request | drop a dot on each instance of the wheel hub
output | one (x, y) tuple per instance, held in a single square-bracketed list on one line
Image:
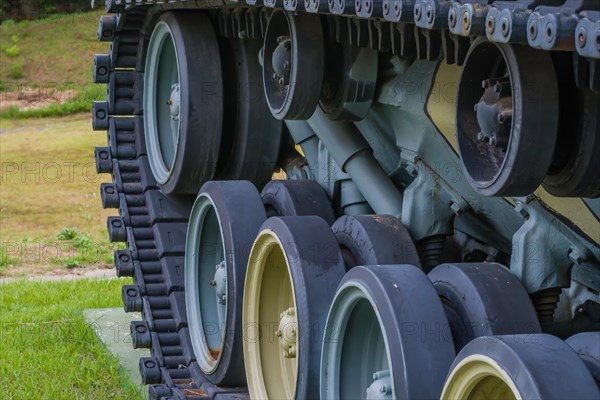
[(220, 283), (288, 332), (174, 102), (381, 388), (494, 112), (282, 60)]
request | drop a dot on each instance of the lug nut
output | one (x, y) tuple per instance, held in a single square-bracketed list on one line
[(491, 25)]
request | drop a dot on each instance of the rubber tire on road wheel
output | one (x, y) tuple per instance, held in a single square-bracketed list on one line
[(401, 304), (296, 198), (483, 299), (579, 176), (587, 345), (201, 107), (295, 263), (374, 240), (530, 366), (236, 212), (521, 168), (251, 135)]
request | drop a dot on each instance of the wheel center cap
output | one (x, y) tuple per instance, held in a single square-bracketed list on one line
[(174, 102)]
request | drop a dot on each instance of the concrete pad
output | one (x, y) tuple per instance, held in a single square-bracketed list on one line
[(112, 327)]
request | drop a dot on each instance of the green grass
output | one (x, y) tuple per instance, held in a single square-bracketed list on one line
[(48, 351), (82, 102), (51, 216), (56, 49), (50, 59)]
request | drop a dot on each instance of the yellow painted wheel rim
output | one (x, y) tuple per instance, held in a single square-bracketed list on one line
[(268, 290), (479, 377)]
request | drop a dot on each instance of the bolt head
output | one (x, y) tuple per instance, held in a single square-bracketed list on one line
[(452, 17), (575, 256), (520, 208), (456, 208)]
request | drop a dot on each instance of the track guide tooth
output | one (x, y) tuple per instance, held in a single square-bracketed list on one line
[(104, 164), (429, 44), (403, 39), (116, 229), (132, 299), (101, 68), (140, 334), (587, 73), (150, 370), (100, 115), (107, 27), (123, 263), (380, 35), (109, 195), (358, 32)]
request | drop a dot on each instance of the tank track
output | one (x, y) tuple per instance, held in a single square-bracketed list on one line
[(154, 225)]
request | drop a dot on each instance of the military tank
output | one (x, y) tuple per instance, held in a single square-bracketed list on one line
[(356, 199)]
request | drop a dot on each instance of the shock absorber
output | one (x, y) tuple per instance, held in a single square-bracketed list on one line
[(353, 154)]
